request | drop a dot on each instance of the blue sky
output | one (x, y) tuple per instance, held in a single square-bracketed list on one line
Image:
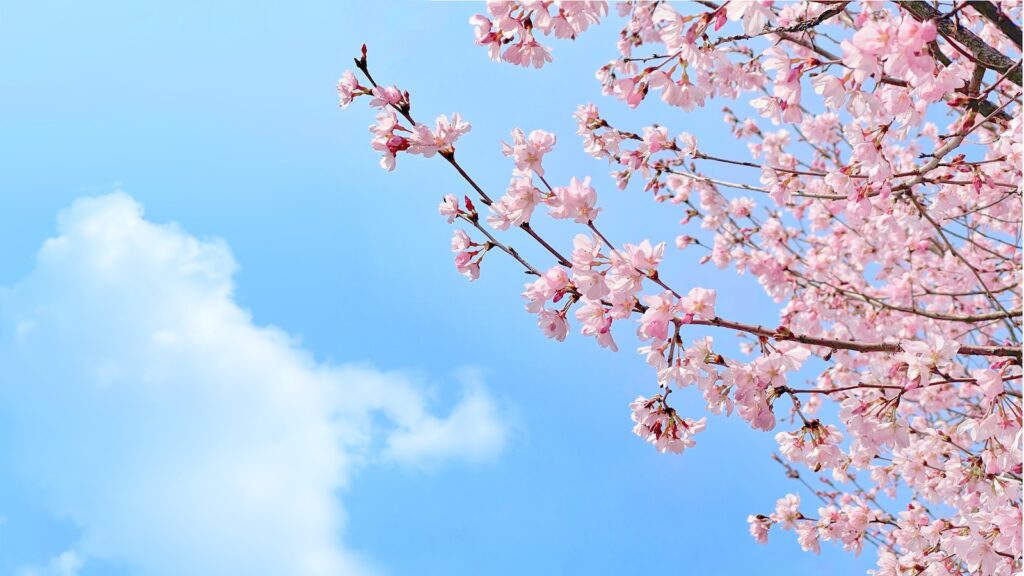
[(469, 443)]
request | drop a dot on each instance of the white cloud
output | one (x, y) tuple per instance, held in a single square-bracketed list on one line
[(183, 439), (472, 429), (64, 564)]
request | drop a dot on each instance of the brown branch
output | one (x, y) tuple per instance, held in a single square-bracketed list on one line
[(970, 318), (995, 15), (861, 386), (784, 335), (984, 54), (802, 26), (484, 197)]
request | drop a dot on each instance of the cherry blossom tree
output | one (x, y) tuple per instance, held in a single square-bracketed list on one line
[(886, 223)]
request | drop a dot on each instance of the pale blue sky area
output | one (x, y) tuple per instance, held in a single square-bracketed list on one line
[(222, 117)]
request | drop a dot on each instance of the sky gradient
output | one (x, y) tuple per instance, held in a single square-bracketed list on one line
[(449, 436)]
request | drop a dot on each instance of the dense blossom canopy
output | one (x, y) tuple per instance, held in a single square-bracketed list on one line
[(886, 223)]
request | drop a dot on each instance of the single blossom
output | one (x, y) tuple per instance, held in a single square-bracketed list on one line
[(384, 96), (755, 14), (553, 324), (924, 357), (449, 207), (527, 52), (699, 303), (787, 511), (528, 152), (516, 207), (595, 322), (661, 310), (467, 266), (575, 201), (348, 88), (461, 241), (759, 527)]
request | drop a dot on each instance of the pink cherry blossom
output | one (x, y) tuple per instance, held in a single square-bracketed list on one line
[(528, 152), (759, 527), (787, 511), (815, 443), (831, 90), (348, 88), (551, 285), (467, 266), (553, 324), (755, 14), (575, 201), (515, 23), (688, 143), (527, 52), (461, 241), (662, 426), (386, 96), (427, 142), (661, 309), (645, 256), (595, 322), (449, 208), (807, 536), (386, 141), (516, 207), (699, 303), (485, 36), (923, 357)]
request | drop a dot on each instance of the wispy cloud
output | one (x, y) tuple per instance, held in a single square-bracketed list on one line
[(182, 438)]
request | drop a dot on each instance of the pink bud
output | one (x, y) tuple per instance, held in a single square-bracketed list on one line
[(720, 20), (397, 144)]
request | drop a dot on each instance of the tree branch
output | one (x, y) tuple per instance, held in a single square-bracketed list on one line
[(983, 53), (995, 15)]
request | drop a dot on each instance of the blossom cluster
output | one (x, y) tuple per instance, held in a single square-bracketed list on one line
[(662, 426), (390, 135), (509, 33), (878, 203)]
